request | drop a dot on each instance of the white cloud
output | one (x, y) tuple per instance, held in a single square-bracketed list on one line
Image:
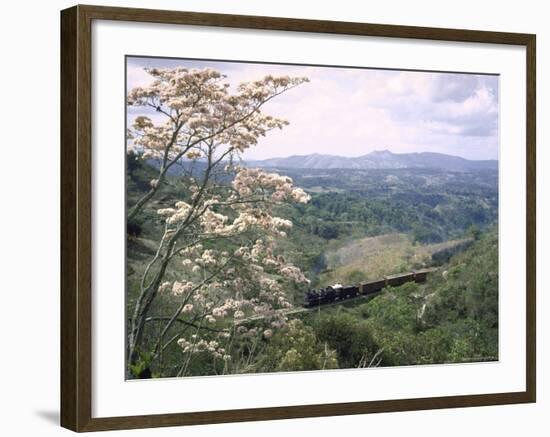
[(136, 76), (351, 112)]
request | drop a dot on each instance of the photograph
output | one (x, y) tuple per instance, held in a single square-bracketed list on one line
[(319, 218)]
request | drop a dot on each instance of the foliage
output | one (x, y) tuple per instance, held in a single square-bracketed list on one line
[(348, 336), (432, 205), (468, 289), (298, 348)]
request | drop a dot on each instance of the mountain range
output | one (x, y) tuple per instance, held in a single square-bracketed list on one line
[(380, 159)]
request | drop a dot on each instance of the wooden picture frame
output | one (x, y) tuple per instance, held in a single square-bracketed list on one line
[(76, 217)]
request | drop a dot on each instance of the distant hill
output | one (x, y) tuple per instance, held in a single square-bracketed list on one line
[(383, 159)]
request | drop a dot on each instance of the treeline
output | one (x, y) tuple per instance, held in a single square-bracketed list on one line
[(433, 206), (429, 218)]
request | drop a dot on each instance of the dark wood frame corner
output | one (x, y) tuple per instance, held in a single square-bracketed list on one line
[(76, 219)]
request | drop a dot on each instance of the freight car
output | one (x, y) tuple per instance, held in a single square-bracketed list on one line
[(421, 275), (399, 279), (373, 286)]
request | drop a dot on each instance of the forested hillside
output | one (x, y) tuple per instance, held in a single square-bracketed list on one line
[(360, 224), (451, 318)]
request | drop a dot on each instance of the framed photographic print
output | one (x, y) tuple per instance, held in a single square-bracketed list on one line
[(268, 218)]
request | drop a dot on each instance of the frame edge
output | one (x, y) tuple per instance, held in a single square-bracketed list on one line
[(75, 129), (531, 216), (68, 231), (76, 165), (260, 22)]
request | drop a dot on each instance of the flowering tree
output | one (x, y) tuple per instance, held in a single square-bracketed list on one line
[(200, 112), (217, 257)]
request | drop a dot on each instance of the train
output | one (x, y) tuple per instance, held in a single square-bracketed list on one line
[(339, 292)]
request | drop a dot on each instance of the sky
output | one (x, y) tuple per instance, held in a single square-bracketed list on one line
[(354, 111)]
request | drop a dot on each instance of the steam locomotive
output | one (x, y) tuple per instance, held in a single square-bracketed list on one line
[(338, 292)]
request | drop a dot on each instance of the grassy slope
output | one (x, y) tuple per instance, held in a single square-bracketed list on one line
[(373, 257)]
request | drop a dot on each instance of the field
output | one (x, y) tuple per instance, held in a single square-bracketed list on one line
[(370, 258)]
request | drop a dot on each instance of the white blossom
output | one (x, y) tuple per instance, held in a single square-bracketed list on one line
[(187, 308)]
